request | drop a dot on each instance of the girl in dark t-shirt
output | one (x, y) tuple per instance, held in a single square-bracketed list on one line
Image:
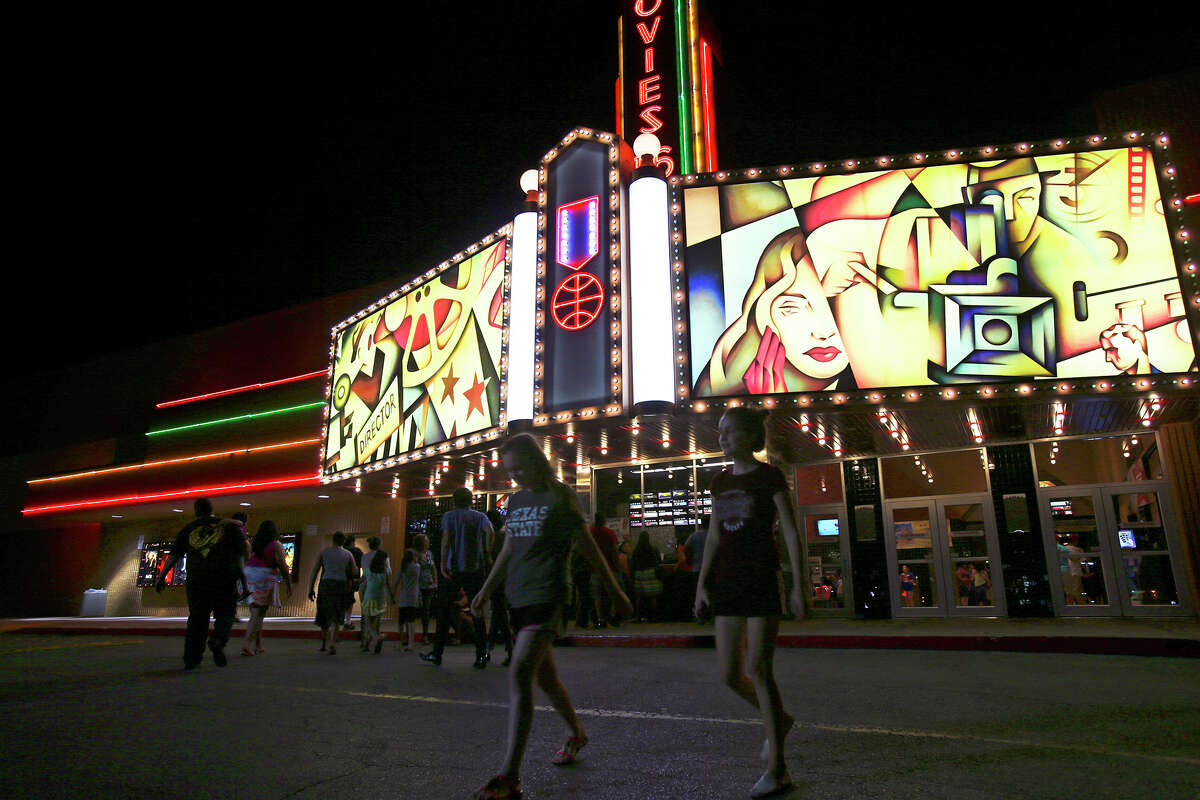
[(741, 584), (543, 522)]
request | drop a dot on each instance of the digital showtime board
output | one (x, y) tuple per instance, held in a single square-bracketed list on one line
[(1028, 262), (420, 370)]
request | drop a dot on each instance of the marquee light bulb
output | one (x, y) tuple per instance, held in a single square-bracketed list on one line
[(646, 144), (529, 181)]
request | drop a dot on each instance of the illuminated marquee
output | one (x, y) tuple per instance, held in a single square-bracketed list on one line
[(1009, 264), (421, 368)]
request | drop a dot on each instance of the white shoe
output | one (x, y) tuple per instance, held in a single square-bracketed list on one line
[(772, 786)]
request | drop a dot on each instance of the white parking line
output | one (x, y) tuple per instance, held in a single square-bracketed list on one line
[(861, 729)]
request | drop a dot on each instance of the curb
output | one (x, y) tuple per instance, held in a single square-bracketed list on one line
[(1080, 645)]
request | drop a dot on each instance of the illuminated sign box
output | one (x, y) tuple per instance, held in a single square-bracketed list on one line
[(1037, 262), (579, 322), (421, 370)]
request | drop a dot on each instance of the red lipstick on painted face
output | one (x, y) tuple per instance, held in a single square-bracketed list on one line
[(823, 354)]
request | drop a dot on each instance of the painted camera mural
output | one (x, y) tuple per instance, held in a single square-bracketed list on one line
[(1043, 267), (423, 369)]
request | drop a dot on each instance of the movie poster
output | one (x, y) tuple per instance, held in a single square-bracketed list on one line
[(151, 560), (1042, 267)]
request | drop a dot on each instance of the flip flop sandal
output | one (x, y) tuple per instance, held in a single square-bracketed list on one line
[(570, 751), (246, 652), (500, 787), (788, 723)]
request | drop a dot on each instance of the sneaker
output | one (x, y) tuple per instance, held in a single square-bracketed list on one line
[(218, 654), (431, 658), (481, 661)]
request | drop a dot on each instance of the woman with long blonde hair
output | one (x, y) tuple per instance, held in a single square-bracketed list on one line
[(786, 339)]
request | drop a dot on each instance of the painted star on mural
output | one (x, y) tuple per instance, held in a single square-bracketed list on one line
[(474, 395), (448, 384)]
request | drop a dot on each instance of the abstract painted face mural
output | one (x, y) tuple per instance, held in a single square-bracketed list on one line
[(786, 338), (422, 369), (1041, 267)]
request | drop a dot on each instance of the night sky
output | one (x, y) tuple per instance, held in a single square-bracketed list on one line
[(172, 169)]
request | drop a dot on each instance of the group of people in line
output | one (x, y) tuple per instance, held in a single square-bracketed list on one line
[(524, 572)]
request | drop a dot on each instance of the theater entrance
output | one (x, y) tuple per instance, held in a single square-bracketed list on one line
[(1112, 550), (1109, 527), (943, 557)]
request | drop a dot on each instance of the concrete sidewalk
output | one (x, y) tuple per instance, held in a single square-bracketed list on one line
[(1148, 637)]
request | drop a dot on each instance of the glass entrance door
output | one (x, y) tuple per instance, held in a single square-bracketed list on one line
[(944, 557), (826, 544), (1113, 550)]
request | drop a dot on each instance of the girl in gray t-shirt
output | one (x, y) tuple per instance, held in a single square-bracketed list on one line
[(543, 522)]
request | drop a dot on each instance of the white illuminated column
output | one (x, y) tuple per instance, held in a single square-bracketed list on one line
[(652, 339), (522, 305)]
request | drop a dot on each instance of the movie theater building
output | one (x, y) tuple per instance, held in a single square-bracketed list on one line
[(980, 367)]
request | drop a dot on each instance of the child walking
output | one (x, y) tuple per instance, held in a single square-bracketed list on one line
[(543, 521), (741, 585), (374, 601), (407, 592)]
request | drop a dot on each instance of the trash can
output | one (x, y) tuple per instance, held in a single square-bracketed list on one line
[(93, 603)]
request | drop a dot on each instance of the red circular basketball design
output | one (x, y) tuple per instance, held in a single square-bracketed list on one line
[(577, 301)]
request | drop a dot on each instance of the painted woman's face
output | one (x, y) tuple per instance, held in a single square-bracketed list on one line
[(805, 324)]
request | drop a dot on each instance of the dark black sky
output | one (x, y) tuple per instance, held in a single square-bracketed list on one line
[(174, 169)]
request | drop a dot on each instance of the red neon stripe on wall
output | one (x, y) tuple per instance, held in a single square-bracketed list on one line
[(307, 480), (249, 388), (706, 89), (1192, 198)]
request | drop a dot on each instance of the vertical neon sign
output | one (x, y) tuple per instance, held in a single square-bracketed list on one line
[(661, 88), (646, 77)]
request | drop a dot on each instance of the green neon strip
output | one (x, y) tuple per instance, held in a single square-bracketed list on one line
[(681, 73), (236, 419)]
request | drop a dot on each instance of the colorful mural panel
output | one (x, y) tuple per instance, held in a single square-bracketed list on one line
[(422, 369), (1042, 267)]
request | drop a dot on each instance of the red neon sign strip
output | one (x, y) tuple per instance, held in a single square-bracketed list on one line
[(307, 480), (251, 387), (184, 459), (706, 89), (1192, 198)]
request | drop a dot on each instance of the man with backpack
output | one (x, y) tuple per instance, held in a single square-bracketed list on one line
[(215, 550)]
